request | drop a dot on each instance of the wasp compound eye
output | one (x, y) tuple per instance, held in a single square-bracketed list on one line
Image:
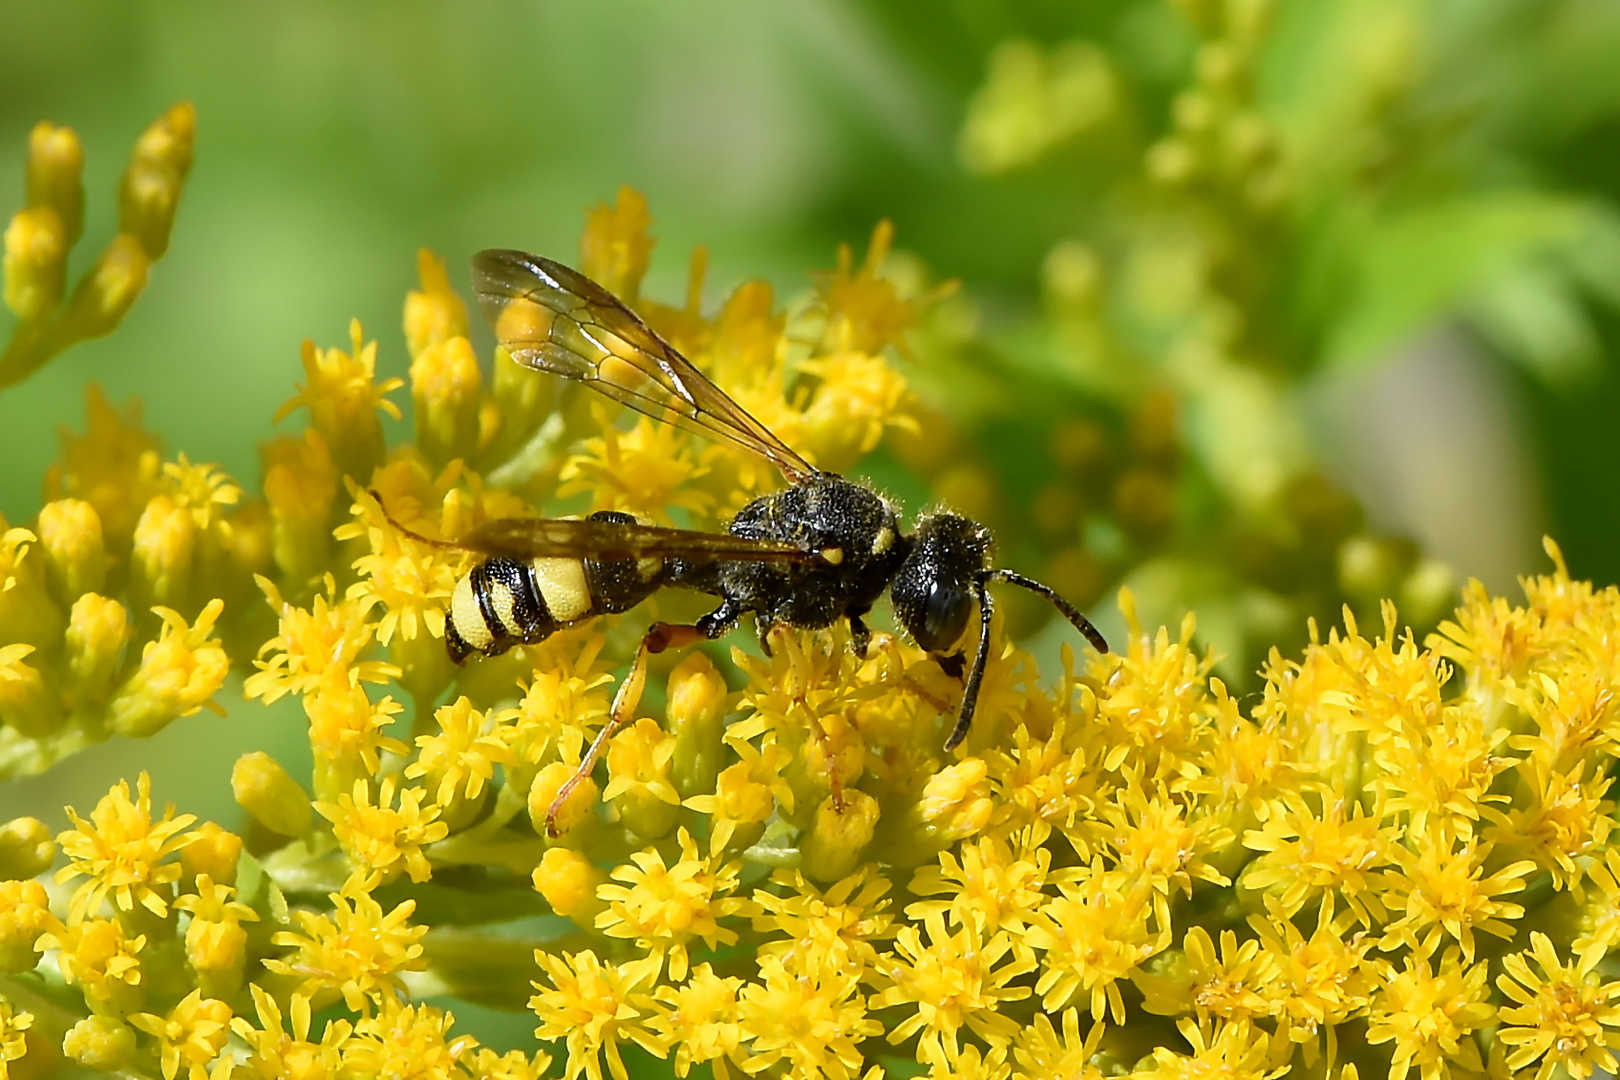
[(945, 616)]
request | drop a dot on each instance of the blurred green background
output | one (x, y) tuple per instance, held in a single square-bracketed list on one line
[(1263, 310)]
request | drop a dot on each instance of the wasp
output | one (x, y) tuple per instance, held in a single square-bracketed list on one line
[(822, 549)]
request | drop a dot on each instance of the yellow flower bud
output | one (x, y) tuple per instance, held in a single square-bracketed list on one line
[(276, 801), (213, 852), (35, 262), (75, 558), (445, 386), (581, 804), (157, 170), (179, 674), (102, 1043), (343, 397), (25, 914), (616, 247), (102, 960), (639, 787), (568, 881), (27, 612), (301, 486), (216, 946), (165, 549), (27, 703), (98, 629), (108, 290), (955, 802), (860, 395), (27, 849), (833, 844), (435, 314), (55, 175), (695, 716)]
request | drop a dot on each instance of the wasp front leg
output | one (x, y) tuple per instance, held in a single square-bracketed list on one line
[(659, 637)]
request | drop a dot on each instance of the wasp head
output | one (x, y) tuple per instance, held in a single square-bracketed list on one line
[(933, 591)]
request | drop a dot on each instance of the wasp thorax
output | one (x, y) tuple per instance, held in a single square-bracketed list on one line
[(933, 591)]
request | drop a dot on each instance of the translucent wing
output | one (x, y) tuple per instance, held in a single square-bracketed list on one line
[(569, 538), (555, 319)]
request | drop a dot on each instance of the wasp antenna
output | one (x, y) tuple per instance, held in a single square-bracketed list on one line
[(1070, 612), (970, 693), (412, 533)]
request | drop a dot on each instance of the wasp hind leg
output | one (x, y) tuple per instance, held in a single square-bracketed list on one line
[(660, 636)]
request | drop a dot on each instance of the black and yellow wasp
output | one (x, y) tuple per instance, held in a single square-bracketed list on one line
[(822, 549)]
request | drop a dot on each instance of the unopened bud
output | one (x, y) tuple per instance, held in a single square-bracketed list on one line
[(639, 787), (568, 881), (445, 385), (75, 558), (955, 802), (213, 852), (98, 629), (108, 290), (571, 814), (435, 314), (264, 789), (26, 849), (157, 170), (35, 262), (25, 914), (27, 704), (834, 843), (55, 175), (101, 1043), (301, 487), (164, 551), (695, 716)]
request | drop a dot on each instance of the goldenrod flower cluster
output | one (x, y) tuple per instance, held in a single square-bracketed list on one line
[(1395, 857)]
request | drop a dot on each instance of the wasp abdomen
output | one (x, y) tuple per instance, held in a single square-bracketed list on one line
[(505, 602)]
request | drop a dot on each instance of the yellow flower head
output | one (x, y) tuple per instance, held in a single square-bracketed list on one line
[(463, 755), (215, 940), (346, 727), (276, 1050), (328, 634), (115, 466), (407, 1040), (179, 674), (14, 1023), (957, 980), (343, 398), (200, 489), (1565, 1017), (839, 929), (123, 851), (562, 702), (1430, 1013), (192, 1034), (643, 470), (103, 961), (701, 1021), (593, 1007), (988, 885), (664, 907), (617, 246), (381, 838), (809, 1024), (863, 310), (411, 582), (359, 952)]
